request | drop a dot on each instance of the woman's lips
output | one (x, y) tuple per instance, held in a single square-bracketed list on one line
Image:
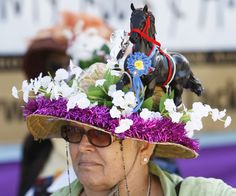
[(88, 164)]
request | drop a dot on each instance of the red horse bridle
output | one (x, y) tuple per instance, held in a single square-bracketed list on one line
[(144, 34)]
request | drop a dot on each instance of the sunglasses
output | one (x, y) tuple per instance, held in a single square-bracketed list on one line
[(74, 134)]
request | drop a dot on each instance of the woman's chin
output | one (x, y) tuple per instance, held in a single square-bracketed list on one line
[(89, 178)]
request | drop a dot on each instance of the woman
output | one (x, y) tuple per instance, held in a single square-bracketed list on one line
[(111, 153), (113, 134)]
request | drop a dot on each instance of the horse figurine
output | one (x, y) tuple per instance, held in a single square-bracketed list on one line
[(169, 71)]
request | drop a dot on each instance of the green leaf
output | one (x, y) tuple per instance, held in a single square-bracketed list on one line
[(70, 82), (185, 118), (126, 88), (94, 91), (85, 64), (107, 103), (105, 48), (162, 101), (47, 95), (110, 80), (103, 102), (171, 96), (148, 103)]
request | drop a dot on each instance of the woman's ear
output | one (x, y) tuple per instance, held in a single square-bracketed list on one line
[(146, 150)]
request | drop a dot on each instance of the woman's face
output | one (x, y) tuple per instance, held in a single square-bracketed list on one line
[(102, 168)]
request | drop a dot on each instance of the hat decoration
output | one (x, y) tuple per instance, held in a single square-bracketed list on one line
[(93, 97), (102, 106), (139, 64)]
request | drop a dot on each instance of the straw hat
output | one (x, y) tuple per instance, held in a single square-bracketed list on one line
[(43, 126)]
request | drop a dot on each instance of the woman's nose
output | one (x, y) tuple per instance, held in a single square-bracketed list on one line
[(85, 145)]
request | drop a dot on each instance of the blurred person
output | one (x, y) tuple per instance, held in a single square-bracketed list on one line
[(46, 54)]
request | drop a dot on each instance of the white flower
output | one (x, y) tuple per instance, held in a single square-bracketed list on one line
[(111, 63), (190, 134), (118, 99), (83, 103), (130, 99), (145, 114), (156, 115), (111, 90), (55, 92), (215, 114), (66, 91), (119, 129), (175, 116), (222, 114), (80, 100), (50, 87), (71, 102), (124, 125), (14, 92), (119, 40), (93, 104), (37, 85), (227, 121), (170, 105), (194, 116), (61, 74), (72, 65), (100, 82), (114, 112), (201, 110), (127, 111), (194, 125), (26, 96), (74, 70), (25, 86), (45, 81), (74, 85)]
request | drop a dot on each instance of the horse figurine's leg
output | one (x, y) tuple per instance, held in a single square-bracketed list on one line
[(124, 80), (194, 85), (184, 78), (178, 90)]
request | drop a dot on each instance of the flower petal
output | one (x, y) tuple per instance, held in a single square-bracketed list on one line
[(14, 92)]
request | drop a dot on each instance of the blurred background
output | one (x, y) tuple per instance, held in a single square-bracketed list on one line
[(41, 34)]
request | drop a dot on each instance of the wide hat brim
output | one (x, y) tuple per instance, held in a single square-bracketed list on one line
[(43, 127)]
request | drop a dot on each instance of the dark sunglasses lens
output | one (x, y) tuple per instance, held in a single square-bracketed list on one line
[(99, 138), (72, 134)]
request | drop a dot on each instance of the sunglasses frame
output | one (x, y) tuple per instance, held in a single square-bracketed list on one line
[(84, 132)]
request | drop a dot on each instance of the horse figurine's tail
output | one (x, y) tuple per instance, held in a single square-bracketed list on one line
[(194, 85)]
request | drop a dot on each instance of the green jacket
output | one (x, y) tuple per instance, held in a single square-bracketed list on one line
[(191, 186)]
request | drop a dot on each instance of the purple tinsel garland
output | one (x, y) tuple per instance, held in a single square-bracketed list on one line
[(153, 130)]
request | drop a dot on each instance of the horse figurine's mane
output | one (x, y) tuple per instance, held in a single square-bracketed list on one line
[(150, 66)]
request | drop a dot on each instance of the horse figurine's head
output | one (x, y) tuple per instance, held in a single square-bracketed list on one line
[(142, 24)]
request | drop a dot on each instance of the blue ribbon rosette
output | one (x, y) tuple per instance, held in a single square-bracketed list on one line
[(138, 64)]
